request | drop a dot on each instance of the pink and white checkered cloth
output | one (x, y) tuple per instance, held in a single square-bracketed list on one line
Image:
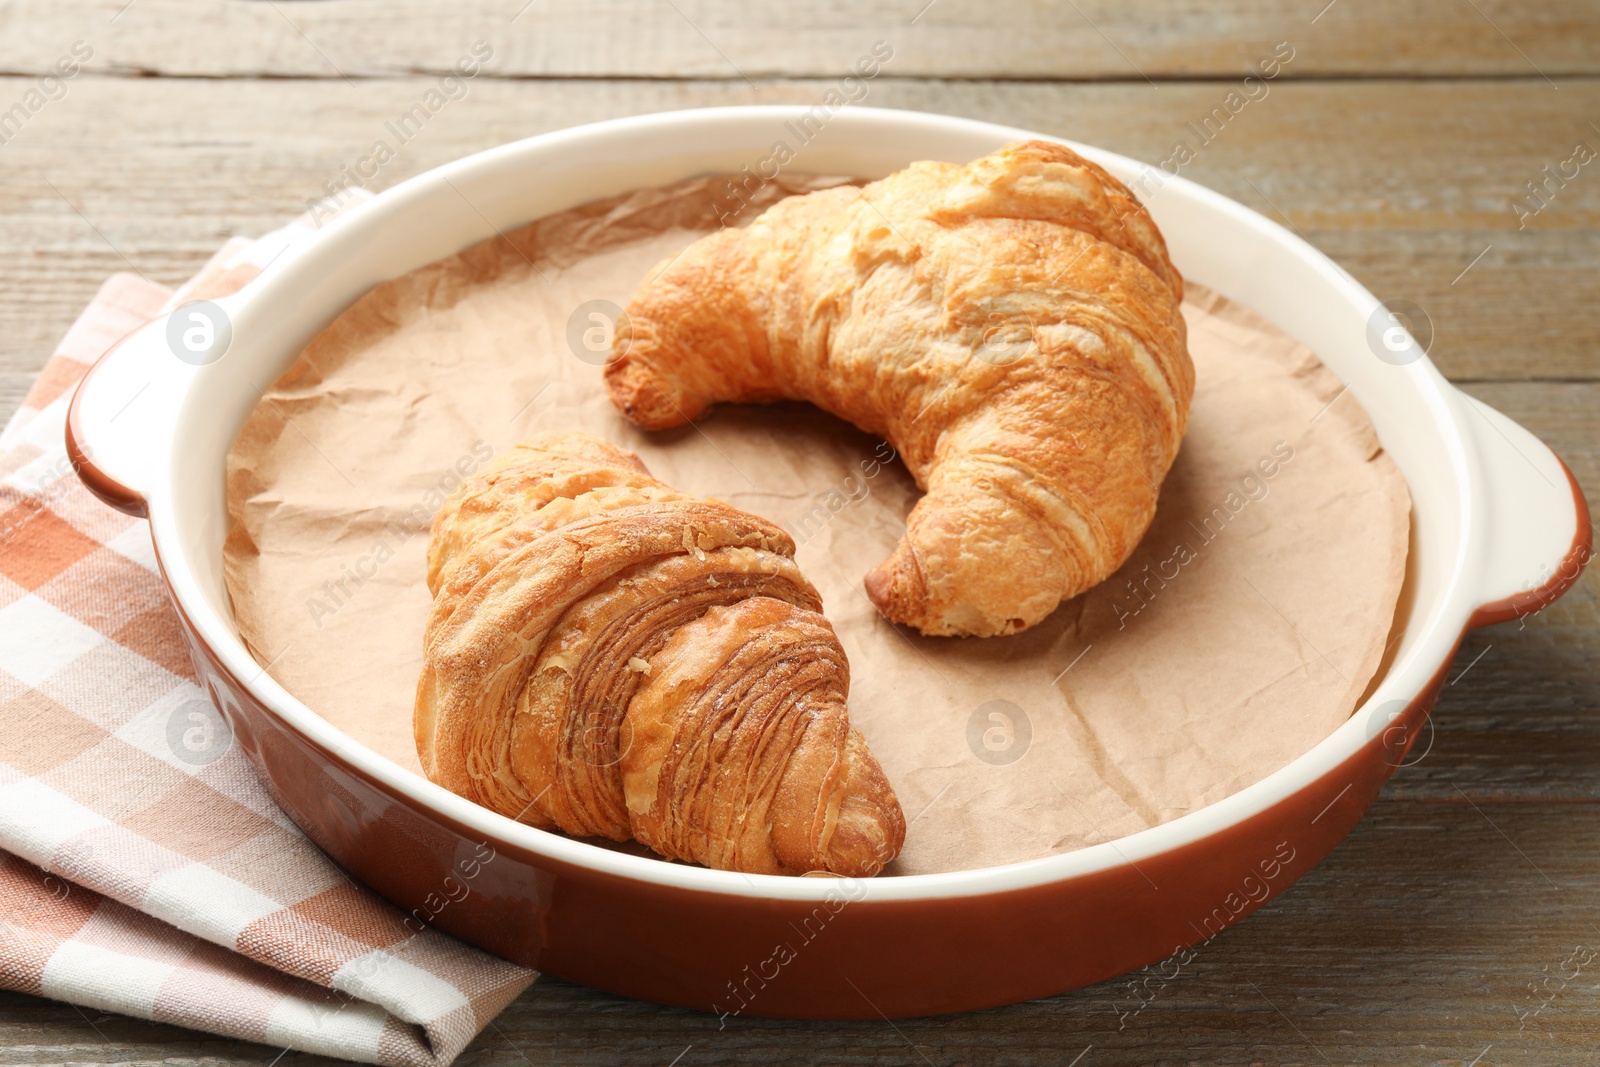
[(143, 868)]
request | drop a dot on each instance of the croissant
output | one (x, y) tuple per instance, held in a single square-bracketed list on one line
[(1011, 326), (611, 657)]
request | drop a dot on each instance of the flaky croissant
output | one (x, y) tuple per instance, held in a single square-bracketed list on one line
[(614, 658), (1011, 326)]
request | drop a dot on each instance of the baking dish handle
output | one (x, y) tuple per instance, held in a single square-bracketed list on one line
[(121, 416), (1531, 521)]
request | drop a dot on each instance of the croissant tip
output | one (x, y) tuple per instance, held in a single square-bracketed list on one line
[(869, 835), (870, 828), (898, 590), (642, 397)]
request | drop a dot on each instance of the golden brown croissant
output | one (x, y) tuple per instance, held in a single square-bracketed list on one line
[(612, 657), (1012, 327)]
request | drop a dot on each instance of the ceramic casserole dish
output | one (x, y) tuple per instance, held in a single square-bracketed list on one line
[(1499, 529)]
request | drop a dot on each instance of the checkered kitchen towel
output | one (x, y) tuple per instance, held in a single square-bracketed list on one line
[(143, 868)]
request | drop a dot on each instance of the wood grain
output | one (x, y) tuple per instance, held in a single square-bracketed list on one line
[(737, 39), (1415, 942), (1404, 183), (1397, 140)]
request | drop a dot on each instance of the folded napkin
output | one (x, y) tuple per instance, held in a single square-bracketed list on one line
[(143, 867)]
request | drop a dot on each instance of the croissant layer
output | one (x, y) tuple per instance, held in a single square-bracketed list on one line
[(593, 629), (1011, 326)]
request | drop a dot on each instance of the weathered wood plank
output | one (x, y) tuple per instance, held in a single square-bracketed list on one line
[(1091, 39), (1403, 183), (1519, 716), (1415, 942), (1469, 881), (1418, 940)]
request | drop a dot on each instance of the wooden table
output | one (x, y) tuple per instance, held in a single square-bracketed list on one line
[(1398, 139)]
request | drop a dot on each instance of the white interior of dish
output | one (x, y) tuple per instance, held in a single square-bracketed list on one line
[(1213, 240)]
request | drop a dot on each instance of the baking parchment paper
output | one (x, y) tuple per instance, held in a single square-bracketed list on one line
[(1242, 631)]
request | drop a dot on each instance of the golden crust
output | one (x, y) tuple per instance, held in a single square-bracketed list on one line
[(1012, 327), (560, 598), (740, 685)]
